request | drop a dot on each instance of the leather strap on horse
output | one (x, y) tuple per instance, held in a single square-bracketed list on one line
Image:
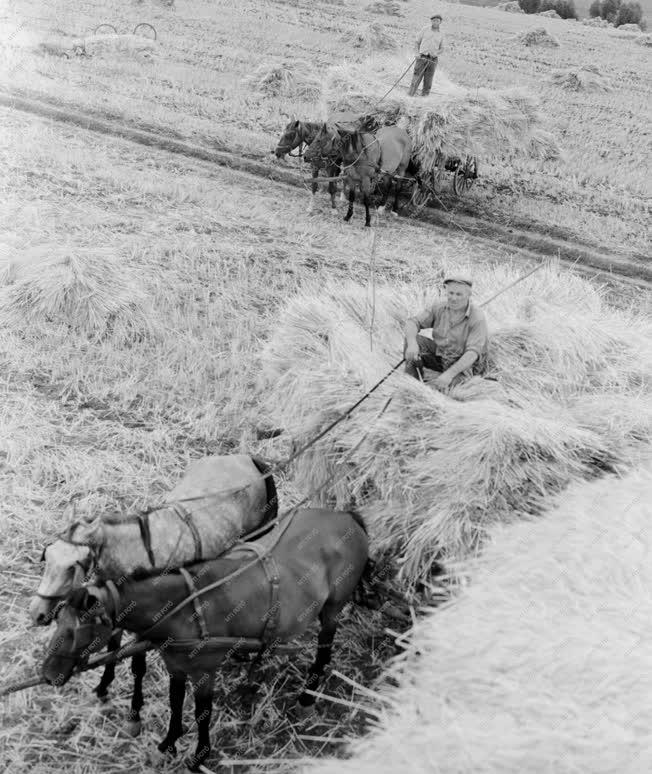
[(146, 536), (199, 613), (187, 519), (115, 599), (272, 619)]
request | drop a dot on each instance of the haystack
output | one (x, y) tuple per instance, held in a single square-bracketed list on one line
[(539, 36), (541, 664), (596, 22), (387, 7), (644, 40), (436, 470), (510, 7), (454, 120), (624, 35), (91, 291), (286, 79), (550, 14), (370, 37), (580, 79)]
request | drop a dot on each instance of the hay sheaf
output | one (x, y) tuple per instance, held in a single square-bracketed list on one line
[(371, 37), (510, 7), (387, 7), (541, 663), (99, 46), (538, 36), (285, 79), (91, 291), (580, 79), (453, 120), (434, 471)]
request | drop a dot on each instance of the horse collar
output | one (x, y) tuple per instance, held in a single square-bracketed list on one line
[(115, 600)]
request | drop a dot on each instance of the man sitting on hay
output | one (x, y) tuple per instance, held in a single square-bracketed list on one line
[(458, 347)]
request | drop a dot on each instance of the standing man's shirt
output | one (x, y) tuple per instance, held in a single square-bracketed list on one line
[(430, 42), (454, 339)]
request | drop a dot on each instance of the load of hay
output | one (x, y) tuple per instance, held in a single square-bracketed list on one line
[(539, 36), (541, 664), (453, 120), (580, 79), (285, 79), (90, 291), (139, 46), (550, 14), (567, 399)]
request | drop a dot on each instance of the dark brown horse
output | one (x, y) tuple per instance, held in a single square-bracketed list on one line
[(366, 159), (298, 134), (269, 590)]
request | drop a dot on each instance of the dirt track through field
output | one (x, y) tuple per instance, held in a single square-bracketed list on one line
[(530, 244)]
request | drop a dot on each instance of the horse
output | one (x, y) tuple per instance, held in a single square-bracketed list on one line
[(307, 567), (169, 536), (365, 157), (299, 133)]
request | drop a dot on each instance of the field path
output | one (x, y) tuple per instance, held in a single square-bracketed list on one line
[(529, 243)]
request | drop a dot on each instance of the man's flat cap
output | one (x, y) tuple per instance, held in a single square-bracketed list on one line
[(463, 279), (437, 16)]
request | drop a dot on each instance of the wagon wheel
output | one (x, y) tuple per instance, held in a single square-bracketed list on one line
[(99, 27), (144, 25), (422, 191), (465, 175)]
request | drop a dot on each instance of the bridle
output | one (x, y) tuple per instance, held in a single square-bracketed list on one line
[(94, 557), (298, 134)]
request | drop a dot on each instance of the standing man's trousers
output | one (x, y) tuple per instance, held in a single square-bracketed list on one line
[(424, 69)]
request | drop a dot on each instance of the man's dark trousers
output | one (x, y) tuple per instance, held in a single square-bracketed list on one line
[(424, 69)]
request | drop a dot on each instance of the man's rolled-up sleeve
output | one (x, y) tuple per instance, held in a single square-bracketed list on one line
[(424, 319), (478, 337)]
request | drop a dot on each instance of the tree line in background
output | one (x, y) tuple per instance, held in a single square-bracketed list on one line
[(618, 12)]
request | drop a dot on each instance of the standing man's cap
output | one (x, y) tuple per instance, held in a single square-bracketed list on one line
[(463, 279), (437, 16)]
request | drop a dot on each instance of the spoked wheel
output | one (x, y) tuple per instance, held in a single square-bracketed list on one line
[(422, 192), (146, 30), (105, 29), (465, 175)]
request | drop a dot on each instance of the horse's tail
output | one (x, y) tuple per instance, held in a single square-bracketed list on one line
[(270, 511)]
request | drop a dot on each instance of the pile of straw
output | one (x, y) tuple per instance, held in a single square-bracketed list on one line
[(387, 7), (543, 661), (644, 40), (550, 14), (596, 22), (287, 79), (370, 37), (510, 7), (537, 37), (453, 120), (435, 470), (89, 291), (580, 79)]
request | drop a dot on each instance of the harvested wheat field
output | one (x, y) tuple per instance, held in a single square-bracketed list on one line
[(156, 308), (540, 663)]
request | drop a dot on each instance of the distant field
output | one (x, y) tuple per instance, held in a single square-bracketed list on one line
[(582, 6), (198, 88)]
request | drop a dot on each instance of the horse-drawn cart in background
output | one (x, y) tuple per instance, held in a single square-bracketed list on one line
[(426, 185)]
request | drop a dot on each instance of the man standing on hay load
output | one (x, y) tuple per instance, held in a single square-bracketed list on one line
[(458, 348), (429, 46)]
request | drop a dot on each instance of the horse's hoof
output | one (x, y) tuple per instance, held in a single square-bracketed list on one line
[(102, 696), (133, 727), (167, 748)]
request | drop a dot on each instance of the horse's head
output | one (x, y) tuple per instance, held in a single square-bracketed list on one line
[(325, 145), (68, 560), (83, 627), (291, 138)]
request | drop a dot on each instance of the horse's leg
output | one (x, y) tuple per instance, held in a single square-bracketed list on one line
[(332, 186), (101, 689), (349, 211), (175, 729), (366, 191), (313, 188), (385, 195), (138, 669), (203, 689), (328, 620)]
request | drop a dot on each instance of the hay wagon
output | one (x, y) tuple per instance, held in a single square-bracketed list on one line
[(426, 183)]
